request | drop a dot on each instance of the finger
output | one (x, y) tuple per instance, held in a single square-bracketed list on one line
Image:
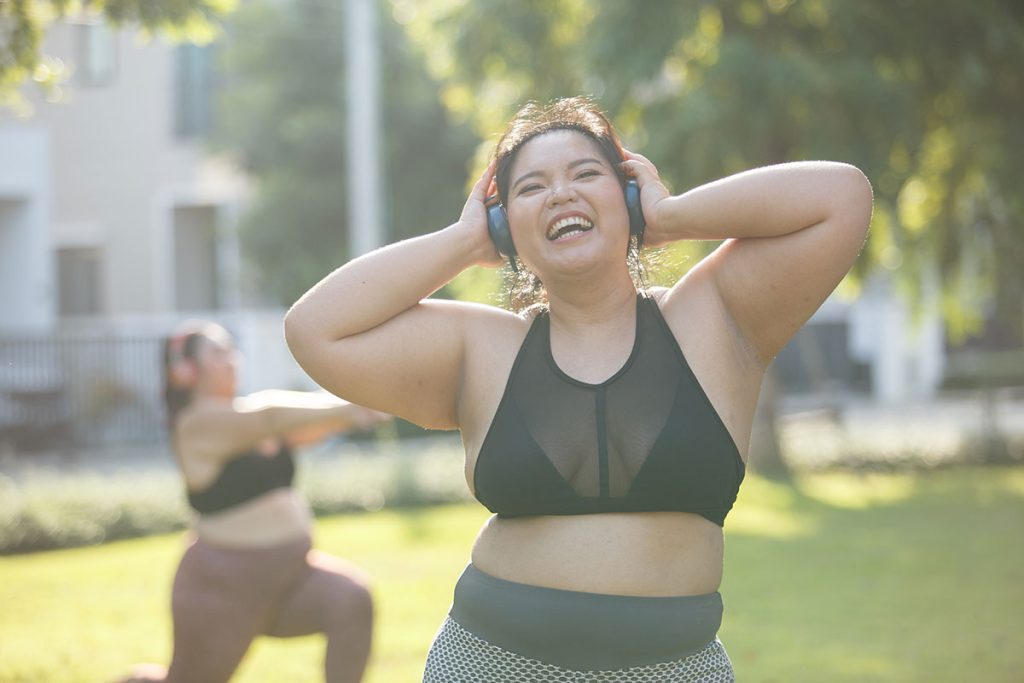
[(638, 169), (637, 156), (640, 159), (486, 183)]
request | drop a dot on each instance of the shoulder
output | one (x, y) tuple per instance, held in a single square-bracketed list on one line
[(656, 294), (483, 320), (218, 428)]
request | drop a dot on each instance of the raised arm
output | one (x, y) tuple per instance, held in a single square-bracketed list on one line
[(366, 332), (792, 232)]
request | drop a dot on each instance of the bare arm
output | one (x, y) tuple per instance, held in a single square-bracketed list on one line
[(351, 417), (221, 429), (792, 232), (367, 333)]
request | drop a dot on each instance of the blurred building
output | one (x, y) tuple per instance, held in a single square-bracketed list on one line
[(115, 224)]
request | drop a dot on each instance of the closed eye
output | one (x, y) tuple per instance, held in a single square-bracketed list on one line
[(589, 173), (525, 189)]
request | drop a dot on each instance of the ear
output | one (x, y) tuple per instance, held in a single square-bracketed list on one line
[(183, 373)]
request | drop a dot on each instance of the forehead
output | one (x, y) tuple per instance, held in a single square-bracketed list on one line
[(554, 148)]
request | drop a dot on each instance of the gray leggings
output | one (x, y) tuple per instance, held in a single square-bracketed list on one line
[(499, 631)]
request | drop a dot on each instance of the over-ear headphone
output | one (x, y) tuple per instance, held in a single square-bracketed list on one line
[(501, 235), (182, 371)]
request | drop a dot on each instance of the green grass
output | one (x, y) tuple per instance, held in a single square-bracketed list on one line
[(842, 577)]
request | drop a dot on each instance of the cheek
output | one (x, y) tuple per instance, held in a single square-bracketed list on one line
[(521, 214)]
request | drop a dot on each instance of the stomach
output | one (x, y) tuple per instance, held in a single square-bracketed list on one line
[(276, 517), (655, 554)]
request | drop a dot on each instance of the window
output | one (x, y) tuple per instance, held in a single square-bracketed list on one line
[(195, 258), (97, 55), (194, 87), (79, 281)]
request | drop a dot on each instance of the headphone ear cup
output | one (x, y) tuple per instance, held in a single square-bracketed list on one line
[(183, 374), (636, 212), (497, 227)]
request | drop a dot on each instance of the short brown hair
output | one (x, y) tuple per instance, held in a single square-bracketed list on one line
[(569, 113)]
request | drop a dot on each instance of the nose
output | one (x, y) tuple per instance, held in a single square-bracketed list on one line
[(561, 192)]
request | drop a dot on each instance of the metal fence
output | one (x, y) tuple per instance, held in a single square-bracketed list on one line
[(75, 390)]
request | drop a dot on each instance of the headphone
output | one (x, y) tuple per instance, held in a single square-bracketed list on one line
[(182, 371), (501, 235)]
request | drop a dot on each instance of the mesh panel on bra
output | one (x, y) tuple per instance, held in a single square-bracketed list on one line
[(598, 436)]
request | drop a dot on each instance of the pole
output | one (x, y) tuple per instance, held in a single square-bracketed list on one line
[(366, 227)]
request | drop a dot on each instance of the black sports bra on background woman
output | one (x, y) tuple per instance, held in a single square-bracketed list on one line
[(244, 477), (645, 440)]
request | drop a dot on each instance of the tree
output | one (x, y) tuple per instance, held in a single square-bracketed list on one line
[(283, 116), (925, 97), (23, 24)]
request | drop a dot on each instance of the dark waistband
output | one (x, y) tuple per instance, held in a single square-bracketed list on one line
[(584, 631)]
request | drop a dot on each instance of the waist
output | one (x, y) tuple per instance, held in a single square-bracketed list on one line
[(278, 516), (580, 630), (639, 554)]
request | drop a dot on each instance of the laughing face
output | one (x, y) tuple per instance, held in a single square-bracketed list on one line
[(565, 205)]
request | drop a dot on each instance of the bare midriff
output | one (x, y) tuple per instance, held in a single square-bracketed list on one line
[(276, 517), (639, 554)]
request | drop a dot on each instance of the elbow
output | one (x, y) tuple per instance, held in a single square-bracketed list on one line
[(296, 332), (856, 198)]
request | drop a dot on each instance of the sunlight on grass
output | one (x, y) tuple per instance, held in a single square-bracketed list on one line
[(857, 492), (840, 578), (767, 508)]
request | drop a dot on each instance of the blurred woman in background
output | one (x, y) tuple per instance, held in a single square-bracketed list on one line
[(249, 569)]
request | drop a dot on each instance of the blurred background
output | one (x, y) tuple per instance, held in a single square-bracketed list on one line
[(172, 159), (197, 158)]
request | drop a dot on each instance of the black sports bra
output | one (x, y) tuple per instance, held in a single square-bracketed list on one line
[(645, 440), (244, 477)]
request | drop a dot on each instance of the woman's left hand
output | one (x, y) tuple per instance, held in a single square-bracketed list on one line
[(652, 193)]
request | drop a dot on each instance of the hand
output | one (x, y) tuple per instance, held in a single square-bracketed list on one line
[(652, 193), (474, 218)]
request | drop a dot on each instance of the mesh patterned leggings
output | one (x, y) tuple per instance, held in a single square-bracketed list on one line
[(457, 656), (504, 632)]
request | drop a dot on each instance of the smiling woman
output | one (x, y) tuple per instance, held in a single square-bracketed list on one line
[(595, 156), (607, 428)]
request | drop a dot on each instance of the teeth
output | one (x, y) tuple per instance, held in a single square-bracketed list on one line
[(584, 223)]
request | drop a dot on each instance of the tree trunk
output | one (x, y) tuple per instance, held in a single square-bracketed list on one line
[(765, 448)]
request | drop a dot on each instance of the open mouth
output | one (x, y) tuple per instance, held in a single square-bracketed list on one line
[(568, 227)]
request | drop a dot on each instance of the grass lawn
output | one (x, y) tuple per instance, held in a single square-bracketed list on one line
[(842, 577)]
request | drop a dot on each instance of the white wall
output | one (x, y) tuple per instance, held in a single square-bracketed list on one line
[(119, 171), (27, 288)]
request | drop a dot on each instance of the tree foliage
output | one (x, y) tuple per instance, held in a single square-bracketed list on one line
[(925, 97), (23, 24), (284, 116)]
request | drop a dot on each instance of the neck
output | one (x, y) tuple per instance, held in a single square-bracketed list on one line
[(597, 303)]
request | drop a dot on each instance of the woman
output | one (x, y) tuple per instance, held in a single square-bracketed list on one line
[(607, 428), (249, 569)]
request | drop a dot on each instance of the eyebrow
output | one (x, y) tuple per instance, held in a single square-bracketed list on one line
[(572, 164)]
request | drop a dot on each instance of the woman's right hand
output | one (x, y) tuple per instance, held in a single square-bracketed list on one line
[(473, 220)]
